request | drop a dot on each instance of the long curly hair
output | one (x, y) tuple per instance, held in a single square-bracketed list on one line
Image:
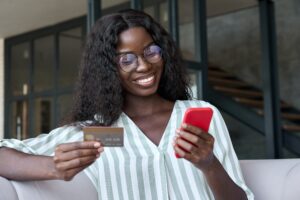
[(99, 90)]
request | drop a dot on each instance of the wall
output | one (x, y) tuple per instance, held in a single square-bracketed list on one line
[(1, 88)]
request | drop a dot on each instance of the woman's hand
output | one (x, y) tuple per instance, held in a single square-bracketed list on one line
[(194, 145), (71, 158)]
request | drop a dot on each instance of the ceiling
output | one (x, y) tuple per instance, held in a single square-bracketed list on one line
[(22, 16), (18, 17)]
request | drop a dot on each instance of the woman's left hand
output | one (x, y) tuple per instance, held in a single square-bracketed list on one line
[(195, 145)]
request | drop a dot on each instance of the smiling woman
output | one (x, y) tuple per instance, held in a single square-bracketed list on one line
[(132, 77)]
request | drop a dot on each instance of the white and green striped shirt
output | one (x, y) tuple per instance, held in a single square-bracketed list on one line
[(140, 169)]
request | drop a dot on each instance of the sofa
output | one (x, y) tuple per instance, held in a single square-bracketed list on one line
[(268, 179)]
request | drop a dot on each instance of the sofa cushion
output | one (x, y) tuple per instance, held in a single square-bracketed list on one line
[(7, 191), (272, 179), (291, 185)]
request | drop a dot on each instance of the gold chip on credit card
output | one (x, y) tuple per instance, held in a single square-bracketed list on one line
[(108, 136)]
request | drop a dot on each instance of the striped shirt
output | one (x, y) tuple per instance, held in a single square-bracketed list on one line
[(141, 169)]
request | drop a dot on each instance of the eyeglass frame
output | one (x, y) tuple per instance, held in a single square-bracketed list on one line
[(142, 55)]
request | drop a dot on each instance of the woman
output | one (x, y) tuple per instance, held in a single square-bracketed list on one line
[(132, 77)]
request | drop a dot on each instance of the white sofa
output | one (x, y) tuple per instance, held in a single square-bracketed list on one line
[(273, 179), (268, 179)]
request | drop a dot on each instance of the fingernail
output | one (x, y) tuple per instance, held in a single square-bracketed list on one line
[(173, 143), (175, 138), (177, 155), (100, 149), (179, 133), (98, 155), (97, 144)]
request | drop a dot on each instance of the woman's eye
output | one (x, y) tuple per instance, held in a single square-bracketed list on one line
[(150, 54), (152, 50), (127, 59), (124, 62)]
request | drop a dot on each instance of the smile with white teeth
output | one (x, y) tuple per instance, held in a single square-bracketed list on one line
[(145, 81)]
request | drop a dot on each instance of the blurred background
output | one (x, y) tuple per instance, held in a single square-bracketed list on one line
[(243, 56)]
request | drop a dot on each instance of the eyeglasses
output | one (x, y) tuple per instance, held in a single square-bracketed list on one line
[(129, 61)]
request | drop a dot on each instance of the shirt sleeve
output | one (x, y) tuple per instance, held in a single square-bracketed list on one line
[(224, 151), (45, 144)]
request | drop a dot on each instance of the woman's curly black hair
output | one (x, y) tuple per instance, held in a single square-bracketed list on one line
[(99, 89)]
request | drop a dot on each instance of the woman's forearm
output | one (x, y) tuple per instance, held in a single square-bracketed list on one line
[(16, 165), (221, 184)]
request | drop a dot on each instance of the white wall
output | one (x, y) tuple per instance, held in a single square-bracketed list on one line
[(1, 88)]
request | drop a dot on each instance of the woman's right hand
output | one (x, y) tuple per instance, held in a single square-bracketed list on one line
[(71, 158)]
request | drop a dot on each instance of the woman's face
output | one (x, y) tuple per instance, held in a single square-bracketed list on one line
[(140, 63)]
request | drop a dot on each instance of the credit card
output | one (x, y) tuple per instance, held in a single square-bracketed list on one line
[(108, 136)]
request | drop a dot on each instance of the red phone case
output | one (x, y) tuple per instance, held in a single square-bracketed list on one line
[(200, 117)]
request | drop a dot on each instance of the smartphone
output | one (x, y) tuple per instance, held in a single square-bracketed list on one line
[(199, 117), (108, 136)]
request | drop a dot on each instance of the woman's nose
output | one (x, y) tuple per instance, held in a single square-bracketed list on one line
[(143, 65)]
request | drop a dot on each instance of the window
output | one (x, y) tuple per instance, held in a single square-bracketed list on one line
[(42, 68)]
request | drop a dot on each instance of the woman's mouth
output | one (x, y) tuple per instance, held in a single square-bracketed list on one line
[(145, 81)]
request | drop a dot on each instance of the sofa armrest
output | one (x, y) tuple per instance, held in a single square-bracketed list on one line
[(273, 179), (77, 189)]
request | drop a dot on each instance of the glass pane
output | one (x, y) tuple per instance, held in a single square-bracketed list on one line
[(64, 103), (248, 144), (287, 15), (70, 43), (20, 69), (290, 154), (187, 28), (150, 7), (234, 44), (158, 10), (42, 115), (19, 120), (288, 40), (163, 15), (109, 3), (193, 86), (43, 64), (234, 49), (220, 7), (150, 10)]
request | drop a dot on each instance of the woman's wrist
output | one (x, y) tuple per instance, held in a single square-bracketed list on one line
[(51, 171), (210, 167)]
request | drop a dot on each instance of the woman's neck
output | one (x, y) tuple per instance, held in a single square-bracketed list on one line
[(141, 106)]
